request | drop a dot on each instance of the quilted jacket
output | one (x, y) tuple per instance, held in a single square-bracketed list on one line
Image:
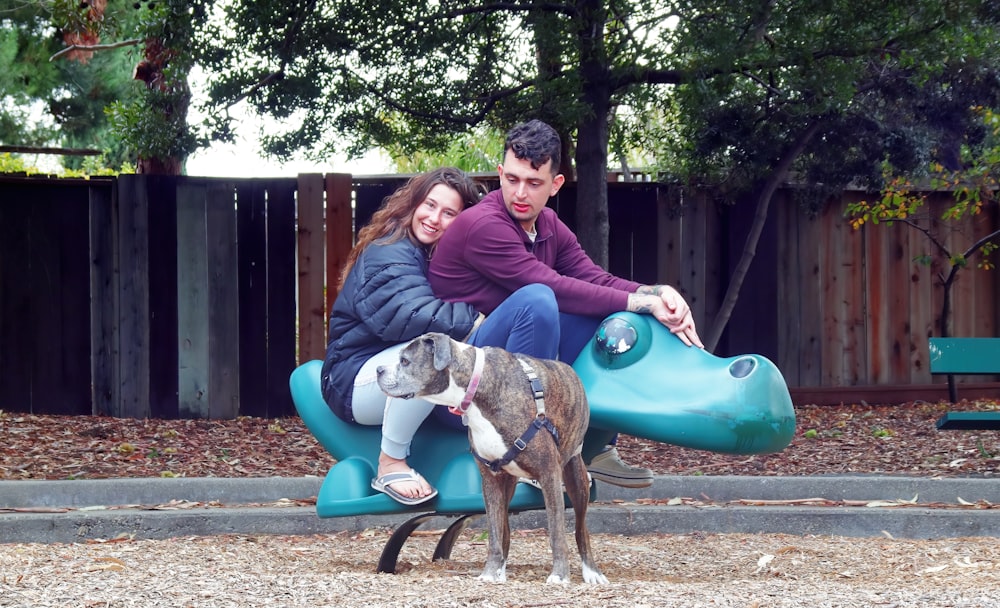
[(386, 299)]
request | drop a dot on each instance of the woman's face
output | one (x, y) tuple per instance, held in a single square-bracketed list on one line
[(435, 213)]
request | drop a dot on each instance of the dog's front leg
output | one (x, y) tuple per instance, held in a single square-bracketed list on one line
[(555, 511), (498, 490)]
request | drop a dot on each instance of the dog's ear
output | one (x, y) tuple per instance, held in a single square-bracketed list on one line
[(442, 351)]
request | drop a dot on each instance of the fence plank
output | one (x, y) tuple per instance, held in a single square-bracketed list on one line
[(753, 323), (923, 284), (898, 323), (223, 297), (193, 327), (133, 298), (62, 381), (15, 304), (793, 286), (252, 238), (104, 301), (163, 295), (340, 230), (312, 312), (281, 279), (682, 233)]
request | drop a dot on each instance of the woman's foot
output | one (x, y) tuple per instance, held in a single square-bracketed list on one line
[(415, 487)]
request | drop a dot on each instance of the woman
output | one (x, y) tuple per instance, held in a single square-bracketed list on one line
[(384, 302)]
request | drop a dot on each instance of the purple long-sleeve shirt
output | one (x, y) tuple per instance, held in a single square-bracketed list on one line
[(485, 255)]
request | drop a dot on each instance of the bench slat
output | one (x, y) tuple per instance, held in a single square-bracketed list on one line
[(964, 355), (962, 421)]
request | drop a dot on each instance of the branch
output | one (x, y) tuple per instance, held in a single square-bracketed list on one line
[(930, 235), (289, 38), (95, 47), (975, 247), (263, 82), (507, 6), (487, 102)]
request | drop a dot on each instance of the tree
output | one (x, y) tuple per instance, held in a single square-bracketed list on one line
[(760, 88), (154, 124), (46, 103), (66, 54), (974, 188), (822, 95), (416, 74), (473, 152)]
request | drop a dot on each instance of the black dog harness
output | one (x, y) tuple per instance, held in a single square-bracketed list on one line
[(540, 422)]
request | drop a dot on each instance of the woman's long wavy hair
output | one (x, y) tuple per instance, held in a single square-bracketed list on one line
[(392, 220)]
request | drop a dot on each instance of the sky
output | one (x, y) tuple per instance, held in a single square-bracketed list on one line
[(244, 159)]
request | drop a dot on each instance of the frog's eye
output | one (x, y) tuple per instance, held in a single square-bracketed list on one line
[(619, 343)]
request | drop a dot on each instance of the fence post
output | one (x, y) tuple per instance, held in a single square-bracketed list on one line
[(311, 310), (339, 230)]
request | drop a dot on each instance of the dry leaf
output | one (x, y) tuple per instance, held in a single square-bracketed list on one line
[(763, 562)]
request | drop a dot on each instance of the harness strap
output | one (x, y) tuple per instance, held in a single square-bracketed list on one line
[(540, 422)]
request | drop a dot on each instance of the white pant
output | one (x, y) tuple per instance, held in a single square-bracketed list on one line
[(399, 418)]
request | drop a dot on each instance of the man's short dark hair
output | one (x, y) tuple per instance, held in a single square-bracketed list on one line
[(536, 142)]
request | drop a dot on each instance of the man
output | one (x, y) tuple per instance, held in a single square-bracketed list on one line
[(511, 239)]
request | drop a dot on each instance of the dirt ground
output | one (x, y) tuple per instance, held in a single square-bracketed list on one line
[(698, 570), (694, 570)]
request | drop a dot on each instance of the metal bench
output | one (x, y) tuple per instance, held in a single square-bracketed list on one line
[(966, 356)]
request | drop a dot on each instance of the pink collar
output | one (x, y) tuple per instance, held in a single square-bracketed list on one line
[(477, 374)]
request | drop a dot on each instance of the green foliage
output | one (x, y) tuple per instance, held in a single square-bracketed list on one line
[(154, 124), (355, 76), (13, 164), (837, 86), (60, 102), (478, 151)]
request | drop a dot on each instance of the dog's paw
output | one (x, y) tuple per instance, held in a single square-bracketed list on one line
[(557, 579), (594, 576), (498, 576)]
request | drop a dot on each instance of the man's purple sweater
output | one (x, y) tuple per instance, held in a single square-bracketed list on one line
[(485, 255)]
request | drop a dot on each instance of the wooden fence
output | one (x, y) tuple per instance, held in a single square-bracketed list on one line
[(150, 296)]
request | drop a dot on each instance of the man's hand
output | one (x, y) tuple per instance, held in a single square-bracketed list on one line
[(670, 309)]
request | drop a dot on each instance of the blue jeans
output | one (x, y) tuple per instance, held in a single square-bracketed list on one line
[(527, 322), (575, 331)]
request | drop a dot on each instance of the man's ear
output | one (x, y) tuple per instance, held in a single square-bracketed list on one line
[(442, 351), (557, 183)]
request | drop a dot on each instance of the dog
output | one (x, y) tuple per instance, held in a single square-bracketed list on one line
[(526, 418)]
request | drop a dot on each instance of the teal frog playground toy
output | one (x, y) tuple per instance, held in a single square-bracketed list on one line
[(640, 380)]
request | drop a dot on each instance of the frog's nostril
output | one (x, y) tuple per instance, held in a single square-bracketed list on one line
[(742, 367)]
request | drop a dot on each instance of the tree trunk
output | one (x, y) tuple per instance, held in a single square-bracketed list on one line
[(750, 246), (170, 104), (592, 135)]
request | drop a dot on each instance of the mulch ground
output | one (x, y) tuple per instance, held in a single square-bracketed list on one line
[(897, 439)]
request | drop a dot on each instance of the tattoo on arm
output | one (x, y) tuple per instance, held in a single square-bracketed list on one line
[(649, 290), (637, 304)]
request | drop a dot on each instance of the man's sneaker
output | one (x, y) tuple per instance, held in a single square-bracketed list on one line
[(609, 468)]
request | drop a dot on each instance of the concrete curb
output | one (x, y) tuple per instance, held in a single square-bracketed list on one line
[(615, 512)]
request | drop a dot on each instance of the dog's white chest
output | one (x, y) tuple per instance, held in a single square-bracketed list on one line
[(488, 443)]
